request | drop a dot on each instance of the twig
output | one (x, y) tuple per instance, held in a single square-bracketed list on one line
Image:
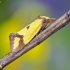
[(58, 24)]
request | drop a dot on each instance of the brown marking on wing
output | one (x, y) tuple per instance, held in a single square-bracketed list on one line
[(28, 27), (11, 37), (21, 43)]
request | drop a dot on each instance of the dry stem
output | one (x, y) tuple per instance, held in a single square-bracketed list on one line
[(58, 24)]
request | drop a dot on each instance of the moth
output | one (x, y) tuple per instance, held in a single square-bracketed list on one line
[(19, 39)]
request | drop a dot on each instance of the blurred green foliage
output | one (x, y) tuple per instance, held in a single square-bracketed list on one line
[(53, 53)]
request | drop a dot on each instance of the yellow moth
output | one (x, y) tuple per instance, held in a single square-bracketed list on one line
[(20, 39)]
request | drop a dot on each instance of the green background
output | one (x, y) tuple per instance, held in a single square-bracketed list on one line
[(53, 53)]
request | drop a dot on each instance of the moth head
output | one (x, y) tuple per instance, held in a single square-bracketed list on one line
[(46, 19)]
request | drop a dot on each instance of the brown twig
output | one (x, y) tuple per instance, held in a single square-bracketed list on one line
[(58, 24)]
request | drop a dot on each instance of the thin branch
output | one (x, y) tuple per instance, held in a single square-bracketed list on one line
[(58, 24)]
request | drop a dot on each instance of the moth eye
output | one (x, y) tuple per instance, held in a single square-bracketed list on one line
[(28, 27)]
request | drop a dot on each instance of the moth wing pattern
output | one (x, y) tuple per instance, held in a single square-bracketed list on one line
[(30, 31)]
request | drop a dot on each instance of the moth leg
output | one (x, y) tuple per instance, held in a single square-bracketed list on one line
[(12, 38)]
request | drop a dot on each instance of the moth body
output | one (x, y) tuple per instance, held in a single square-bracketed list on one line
[(20, 39)]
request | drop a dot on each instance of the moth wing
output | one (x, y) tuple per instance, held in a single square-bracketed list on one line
[(28, 32), (32, 31)]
